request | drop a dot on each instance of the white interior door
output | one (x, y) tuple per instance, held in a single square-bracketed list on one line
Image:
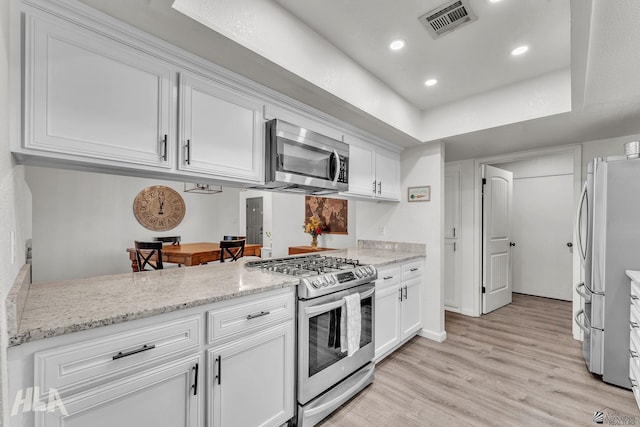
[(542, 227), (496, 233)]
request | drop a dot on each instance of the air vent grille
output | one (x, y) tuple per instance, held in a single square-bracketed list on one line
[(448, 17)]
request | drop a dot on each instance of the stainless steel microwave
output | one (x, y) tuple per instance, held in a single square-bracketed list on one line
[(300, 160)]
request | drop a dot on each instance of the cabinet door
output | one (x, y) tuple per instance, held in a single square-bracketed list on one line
[(165, 396), (89, 98), (451, 275), (221, 131), (451, 203), (411, 307), (387, 325), (388, 176), (251, 379), (361, 176)]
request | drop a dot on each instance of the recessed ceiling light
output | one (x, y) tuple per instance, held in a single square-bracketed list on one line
[(396, 45), (430, 82), (519, 50), (494, 1)]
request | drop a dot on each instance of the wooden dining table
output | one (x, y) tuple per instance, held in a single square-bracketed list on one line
[(193, 253)]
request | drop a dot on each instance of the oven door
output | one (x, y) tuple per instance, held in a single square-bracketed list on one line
[(321, 363)]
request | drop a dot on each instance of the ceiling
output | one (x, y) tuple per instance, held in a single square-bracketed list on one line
[(282, 43), (471, 60)]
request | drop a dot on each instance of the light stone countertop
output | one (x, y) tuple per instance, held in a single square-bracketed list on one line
[(634, 275), (58, 308)]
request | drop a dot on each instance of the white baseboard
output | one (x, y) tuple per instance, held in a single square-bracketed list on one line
[(471, 313), (435, 336)]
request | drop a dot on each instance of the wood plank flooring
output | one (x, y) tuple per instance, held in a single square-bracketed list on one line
[(517, 366)]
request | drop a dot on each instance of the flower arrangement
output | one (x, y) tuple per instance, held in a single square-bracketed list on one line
[(313, 226)]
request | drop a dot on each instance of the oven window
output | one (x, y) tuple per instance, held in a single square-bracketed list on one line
[(324, 336)]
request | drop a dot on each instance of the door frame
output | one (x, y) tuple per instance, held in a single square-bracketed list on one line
[(576, 151)]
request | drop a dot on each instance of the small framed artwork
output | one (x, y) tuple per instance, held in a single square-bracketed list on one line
[(419, 194)]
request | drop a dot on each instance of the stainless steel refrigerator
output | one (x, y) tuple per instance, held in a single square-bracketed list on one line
[(608, 227)]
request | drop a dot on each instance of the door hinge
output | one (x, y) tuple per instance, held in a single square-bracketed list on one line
[(484, 181), (484, 290)]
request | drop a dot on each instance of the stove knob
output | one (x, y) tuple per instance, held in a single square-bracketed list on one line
[(315, 283)]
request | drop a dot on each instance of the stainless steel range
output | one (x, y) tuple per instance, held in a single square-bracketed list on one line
[(327, 376)]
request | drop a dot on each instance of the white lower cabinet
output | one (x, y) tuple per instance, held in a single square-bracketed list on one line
[(634, 335), (165, 396), (251, 379), (398, 305), (164, 370)]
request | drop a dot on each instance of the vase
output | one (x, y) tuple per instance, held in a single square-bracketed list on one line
[(314, 241)]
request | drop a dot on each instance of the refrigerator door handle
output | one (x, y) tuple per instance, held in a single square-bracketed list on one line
[(579, 323), (587, 298), (581, 249)]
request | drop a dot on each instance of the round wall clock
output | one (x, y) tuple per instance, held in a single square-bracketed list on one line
[(159, 208)]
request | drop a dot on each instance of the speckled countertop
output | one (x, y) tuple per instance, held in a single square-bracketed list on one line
[(58, 308)]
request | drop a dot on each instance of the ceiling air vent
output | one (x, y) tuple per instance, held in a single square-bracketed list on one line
[(448, 17)]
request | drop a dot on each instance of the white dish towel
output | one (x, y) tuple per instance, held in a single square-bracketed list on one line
[(350, 324)]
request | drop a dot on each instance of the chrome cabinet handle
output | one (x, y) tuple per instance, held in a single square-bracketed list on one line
[(164, 149), (634, 324), (145, 347), (219, 373), (405, 292), (188, 149), (379, 187), (414, 269), (633, 354), (374, 187), (195, 380), (260, 314), (634, 297), (633, 382), (400, 294), (387, 277)]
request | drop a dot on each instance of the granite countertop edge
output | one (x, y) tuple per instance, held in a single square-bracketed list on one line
[(41, 328)]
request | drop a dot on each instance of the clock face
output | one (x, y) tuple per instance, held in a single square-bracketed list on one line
[(159, 208)]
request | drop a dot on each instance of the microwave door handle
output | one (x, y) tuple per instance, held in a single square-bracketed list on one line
[(337, 174)]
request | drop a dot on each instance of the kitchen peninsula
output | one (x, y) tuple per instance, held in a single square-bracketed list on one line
[(151, 334)]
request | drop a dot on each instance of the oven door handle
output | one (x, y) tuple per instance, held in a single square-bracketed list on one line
[(580, 325), (323, 308)]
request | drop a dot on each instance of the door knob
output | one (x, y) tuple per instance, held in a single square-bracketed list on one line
[(569, 244), (511, 244)]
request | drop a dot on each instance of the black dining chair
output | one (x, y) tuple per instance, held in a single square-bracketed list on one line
[(149, 254), (234, 238), (234, 248), (174, 240)]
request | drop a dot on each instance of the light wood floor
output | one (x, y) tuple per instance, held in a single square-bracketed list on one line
[(517, 366)]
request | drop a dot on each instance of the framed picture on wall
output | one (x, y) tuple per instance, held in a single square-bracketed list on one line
[(419, 194), (333, 213)]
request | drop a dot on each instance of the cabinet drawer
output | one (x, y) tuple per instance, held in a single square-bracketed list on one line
[(634, 378), (249, 315), (634, 348), (412, 269), (635, 294), (70, 368), (388, 276)]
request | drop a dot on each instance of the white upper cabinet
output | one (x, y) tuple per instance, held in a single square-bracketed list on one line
[(90, 98), (373, 171), (387, 175), (221, 131)]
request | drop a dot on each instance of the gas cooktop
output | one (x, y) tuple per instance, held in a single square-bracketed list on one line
[(319, 274)]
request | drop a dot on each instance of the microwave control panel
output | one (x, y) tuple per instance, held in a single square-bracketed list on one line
[(343, 174)]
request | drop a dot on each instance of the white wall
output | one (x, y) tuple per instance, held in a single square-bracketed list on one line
[(416, 222), (83, 222), (15, 199)]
